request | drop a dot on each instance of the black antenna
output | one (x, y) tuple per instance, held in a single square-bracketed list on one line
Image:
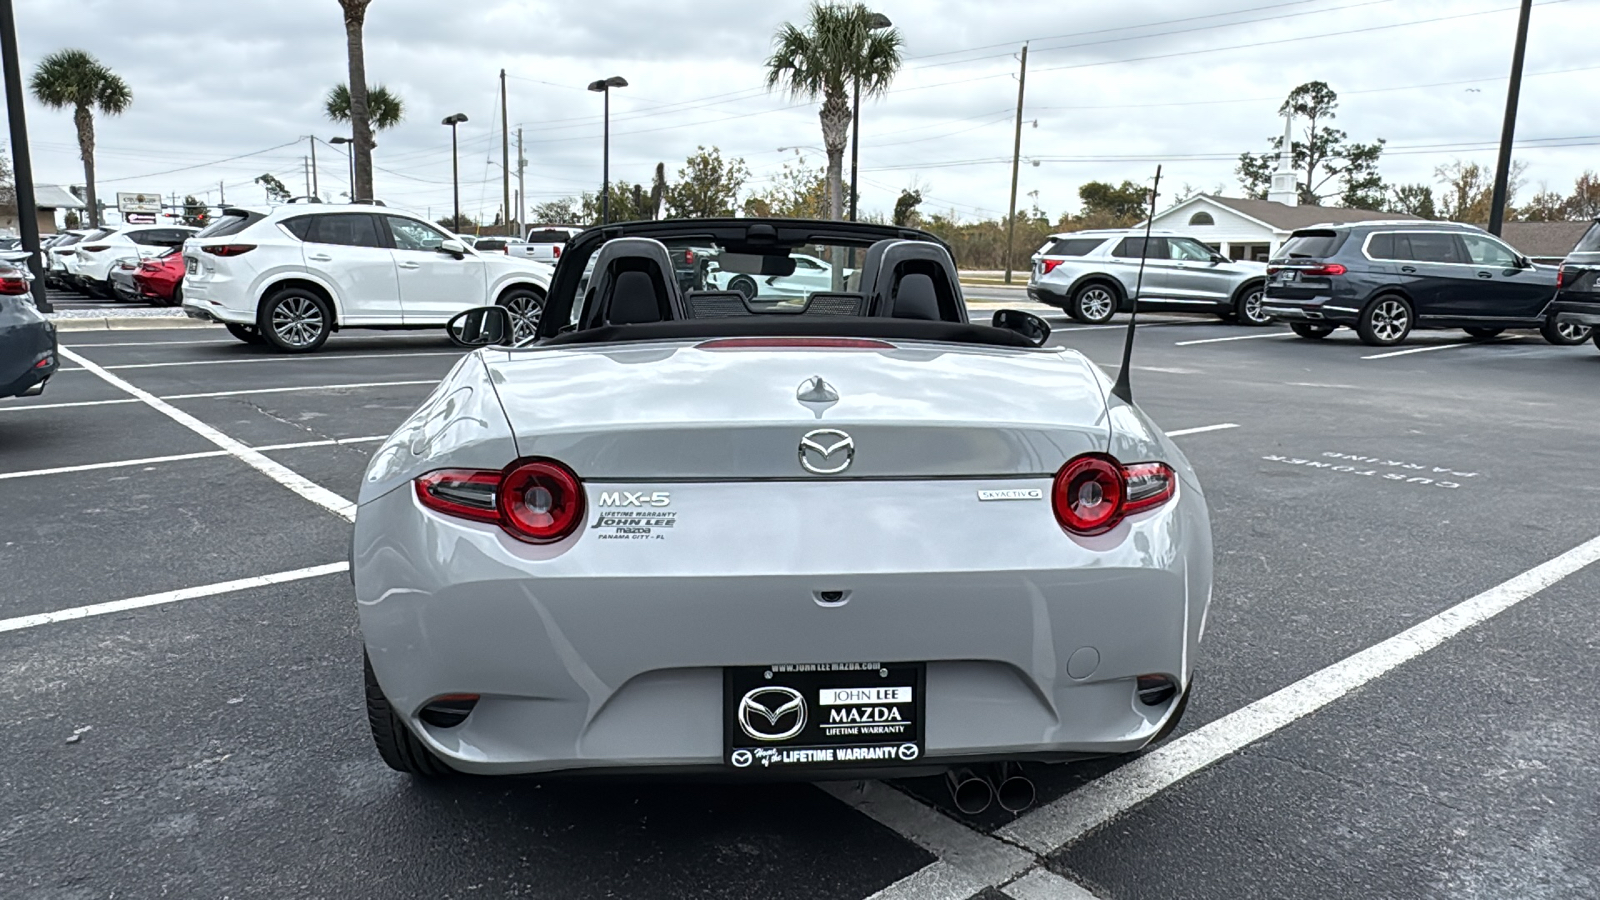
[(1122, 388)]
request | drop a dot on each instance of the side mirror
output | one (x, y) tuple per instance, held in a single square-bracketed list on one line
[(1219, 258), (481, 326), (1030, 326), (454, 248), (1524, 263)]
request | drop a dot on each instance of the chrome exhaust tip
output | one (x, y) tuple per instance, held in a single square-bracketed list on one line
[(1013, 789), (972, 795)]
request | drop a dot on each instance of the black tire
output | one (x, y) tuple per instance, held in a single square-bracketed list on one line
[(745, 285), (1386, 321), (1247, 305), (1093, 304), (1486, 333), (246, 333), (1564, 334), (295, 320), (1176, 717), (526, 306), (397, 746), (177, 296), (1311, 331)]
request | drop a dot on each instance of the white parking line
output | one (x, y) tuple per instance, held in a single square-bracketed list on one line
[(211, 394), (209, 590), (1201, 430), (258, 359), (148, 344), (1043, 884), (180, 457), (1241, 337), (282, 474), (1509, 337), (1065, 820)]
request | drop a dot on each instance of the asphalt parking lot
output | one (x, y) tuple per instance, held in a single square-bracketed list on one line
[(208, 738)]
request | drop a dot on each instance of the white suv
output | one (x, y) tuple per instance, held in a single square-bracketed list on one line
[(89, 261), (294, 274)]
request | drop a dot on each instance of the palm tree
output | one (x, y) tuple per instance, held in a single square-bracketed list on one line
[(838, 51), (75, 78), (355, 17), (385, 109)]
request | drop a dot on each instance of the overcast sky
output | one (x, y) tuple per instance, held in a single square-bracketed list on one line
[(1114, 88)]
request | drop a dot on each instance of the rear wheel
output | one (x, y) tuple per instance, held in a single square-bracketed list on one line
[(246, 333), (399, 748), (1308, 330), (177, 296), (1565, 334), (1248, 306), (1484, 333), (526, 307), (745, 285), (1093, 304), (1385, 322), (295, 320)]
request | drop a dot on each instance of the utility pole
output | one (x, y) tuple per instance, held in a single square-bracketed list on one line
[(1016, 157), (505, 155), (522, 189), (316, 189), (305, 166), (1502, 171), (21, 159)]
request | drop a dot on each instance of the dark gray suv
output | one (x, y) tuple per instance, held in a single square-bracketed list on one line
[(1385, 278)]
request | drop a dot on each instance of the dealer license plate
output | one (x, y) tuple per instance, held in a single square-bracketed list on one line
[(193, 265), (823, 715)]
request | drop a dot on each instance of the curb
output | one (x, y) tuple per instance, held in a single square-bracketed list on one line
[(128, 323)]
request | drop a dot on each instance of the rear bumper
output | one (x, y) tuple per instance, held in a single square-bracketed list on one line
[(1054, 295), (580, 670), (1318, 311), (34, 346), (1581, 312), (200, 308)]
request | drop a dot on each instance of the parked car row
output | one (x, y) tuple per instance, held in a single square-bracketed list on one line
[(1383, 279), (100, 262)]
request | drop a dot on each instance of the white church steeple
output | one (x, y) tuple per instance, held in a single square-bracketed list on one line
[(1286, 181)]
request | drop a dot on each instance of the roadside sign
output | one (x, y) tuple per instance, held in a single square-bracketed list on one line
[(150, 204), (139, 218)]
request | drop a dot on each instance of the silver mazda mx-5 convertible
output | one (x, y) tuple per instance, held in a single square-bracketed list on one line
[(683, 529)]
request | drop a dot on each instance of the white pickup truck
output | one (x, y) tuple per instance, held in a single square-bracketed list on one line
[(545, 242)]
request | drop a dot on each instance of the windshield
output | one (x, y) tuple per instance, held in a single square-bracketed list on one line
[(772, 280)]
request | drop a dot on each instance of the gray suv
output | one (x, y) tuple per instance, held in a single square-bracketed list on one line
[(1091, 275)]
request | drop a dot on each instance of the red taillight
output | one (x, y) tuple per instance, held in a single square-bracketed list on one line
[(688, 257), (808, 343), (1325, 269), (228, 249), (14, 285), (95, 248), (539, 501), (1094, 492), (1561, 276), (1049, 265), (555, 251)]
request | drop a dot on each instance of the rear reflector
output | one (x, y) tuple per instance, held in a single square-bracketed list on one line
[(448, 710), (791, 343), (1155, 690), (228, 249)]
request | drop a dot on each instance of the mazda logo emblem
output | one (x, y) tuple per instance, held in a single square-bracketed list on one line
[(826, 451), (772, 713)]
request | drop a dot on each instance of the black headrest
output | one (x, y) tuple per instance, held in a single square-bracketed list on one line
[(914, 298), (890, 262), (633, 284)]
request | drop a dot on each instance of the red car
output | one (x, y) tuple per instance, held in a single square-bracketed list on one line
[(161, 279)]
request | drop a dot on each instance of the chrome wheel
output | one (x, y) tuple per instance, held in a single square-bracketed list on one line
[(297, 321), (1572, 332), (1390, 321), (1250, 308), (1096, 304), (525, 310)]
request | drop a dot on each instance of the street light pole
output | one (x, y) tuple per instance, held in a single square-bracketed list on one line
[(875, 22), (352, 157), (316, 189), (1502, 171), (21, 159), (604, 87), (455, 167)]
